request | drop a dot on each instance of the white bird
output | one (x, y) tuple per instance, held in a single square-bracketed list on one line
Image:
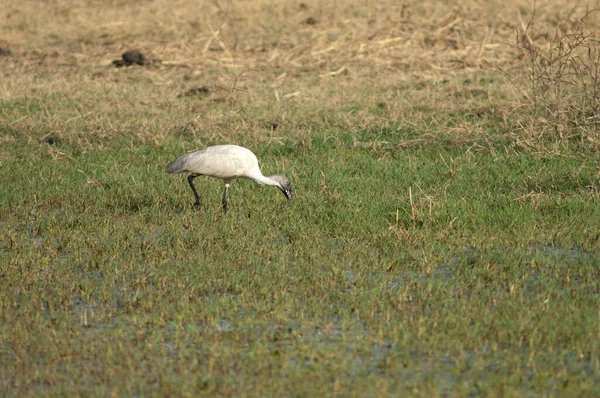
[(227, 162)]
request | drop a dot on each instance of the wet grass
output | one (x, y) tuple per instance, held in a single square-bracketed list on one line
[(444, 236), (487, 284)]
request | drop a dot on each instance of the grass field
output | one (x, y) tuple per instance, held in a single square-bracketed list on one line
[(445, 233)]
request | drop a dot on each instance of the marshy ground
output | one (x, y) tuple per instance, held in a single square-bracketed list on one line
[(444, 235)]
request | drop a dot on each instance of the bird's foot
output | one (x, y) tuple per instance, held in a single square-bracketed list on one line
[(196, 206)]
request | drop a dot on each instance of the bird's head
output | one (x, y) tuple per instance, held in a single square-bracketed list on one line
[(283, 184)]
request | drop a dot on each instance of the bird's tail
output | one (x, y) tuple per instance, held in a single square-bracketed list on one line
[(177, 166)]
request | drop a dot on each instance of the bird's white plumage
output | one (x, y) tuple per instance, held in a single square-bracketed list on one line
[(227, 162), (221, 161)]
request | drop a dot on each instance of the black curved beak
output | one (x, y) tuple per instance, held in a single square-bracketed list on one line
[(287, 191)]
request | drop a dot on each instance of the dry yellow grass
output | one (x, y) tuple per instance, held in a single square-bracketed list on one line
[(306, 67)]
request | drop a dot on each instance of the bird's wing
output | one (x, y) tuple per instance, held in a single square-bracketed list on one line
[(224, 161)]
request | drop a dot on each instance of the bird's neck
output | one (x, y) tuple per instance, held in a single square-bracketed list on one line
[(264, 180)]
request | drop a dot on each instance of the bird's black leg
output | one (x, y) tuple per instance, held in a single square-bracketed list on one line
[(190, 181), (224, 200)]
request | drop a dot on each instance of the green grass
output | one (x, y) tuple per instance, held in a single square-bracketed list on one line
[(111, 284), (443, 241)]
